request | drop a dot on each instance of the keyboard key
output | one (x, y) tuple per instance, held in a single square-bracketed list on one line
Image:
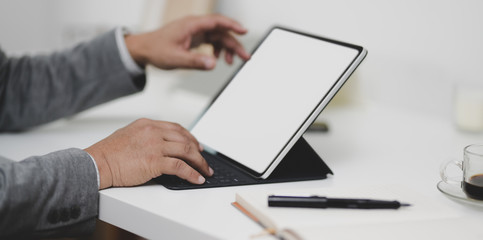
[(225, 175)]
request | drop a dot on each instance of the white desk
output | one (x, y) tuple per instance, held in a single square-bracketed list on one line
[(365, 145)]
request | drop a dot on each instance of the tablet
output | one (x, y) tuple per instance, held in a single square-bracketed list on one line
[(274, 97)]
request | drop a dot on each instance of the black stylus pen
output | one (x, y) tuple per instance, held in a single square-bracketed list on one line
[(324, 202)]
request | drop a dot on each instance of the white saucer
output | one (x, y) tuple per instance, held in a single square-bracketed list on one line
[(455, 192)]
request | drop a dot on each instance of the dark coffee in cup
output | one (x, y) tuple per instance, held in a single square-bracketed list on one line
[(473, 187), (472, 167)]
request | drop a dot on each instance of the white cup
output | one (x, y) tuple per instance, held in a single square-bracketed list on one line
[(468, 107)]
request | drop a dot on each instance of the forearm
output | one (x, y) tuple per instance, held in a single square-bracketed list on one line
[(39, 89), (51, 195)]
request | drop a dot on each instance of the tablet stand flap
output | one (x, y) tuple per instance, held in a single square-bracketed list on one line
[(300, 163)]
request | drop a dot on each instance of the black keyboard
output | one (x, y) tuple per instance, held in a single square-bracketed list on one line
[(300, 164), (224, 175)]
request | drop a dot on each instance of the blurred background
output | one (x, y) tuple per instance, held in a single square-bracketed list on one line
[(418, 50), (421, 52)]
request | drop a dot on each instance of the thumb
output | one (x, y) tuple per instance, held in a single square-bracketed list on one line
[(197, 61)]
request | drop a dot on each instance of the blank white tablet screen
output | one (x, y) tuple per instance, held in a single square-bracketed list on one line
[(271, 96)]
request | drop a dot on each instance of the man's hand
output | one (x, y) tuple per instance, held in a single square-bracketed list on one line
[(146, 149), (169, 47)]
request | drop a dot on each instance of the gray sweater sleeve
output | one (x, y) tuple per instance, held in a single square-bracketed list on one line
[(55, 194), (40, 89), (51, 195)]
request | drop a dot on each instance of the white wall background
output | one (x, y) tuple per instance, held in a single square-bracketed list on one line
[(29, 26), (418, 49)]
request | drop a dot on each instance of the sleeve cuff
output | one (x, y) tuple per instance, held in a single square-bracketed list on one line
[(97, 170), (129, 63)]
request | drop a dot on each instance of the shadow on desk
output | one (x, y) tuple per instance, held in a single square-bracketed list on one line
[(106, 231)]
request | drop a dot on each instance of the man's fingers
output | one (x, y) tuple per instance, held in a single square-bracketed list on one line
[(176, 133), (229, 56), (194, 60), (182, 136), (188, 152), (174, 136), (216, 51), (233, 45), (175, 166), (224, 40), (218, 22), (218, 30)]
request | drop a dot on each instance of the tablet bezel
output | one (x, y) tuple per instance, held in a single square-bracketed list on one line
[(310, 117)]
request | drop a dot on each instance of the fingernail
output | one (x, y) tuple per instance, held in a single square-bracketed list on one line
[(208, 62), (201, 179), (247, 55), (200, 146), (241, 28), (211, 171)]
